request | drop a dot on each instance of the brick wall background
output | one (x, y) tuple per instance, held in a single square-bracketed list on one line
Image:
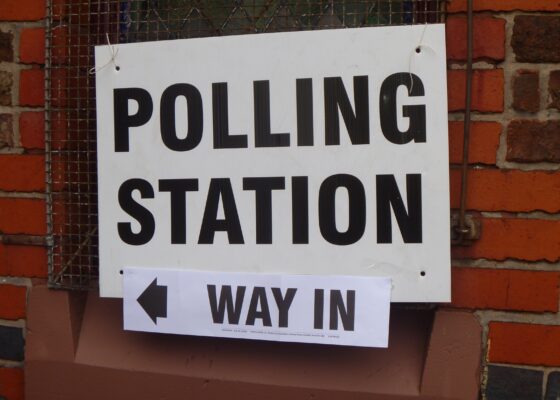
[(23, 257), (509, 278)]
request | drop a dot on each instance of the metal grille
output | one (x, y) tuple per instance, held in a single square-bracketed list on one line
[(75, 26)]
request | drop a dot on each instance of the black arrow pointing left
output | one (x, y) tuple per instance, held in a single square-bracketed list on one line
[(154, 301)]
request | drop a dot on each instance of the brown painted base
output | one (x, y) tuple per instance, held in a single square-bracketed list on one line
[(77, 349)]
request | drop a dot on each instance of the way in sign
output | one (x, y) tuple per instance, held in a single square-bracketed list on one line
[(259, 306), (342, 310)]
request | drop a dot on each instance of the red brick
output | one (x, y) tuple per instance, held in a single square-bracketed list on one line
[(487, 90), (23, 216), (6, 83), (13, 300), (514, 238), (59, 88), (514, 343), (535, 38), (60, 47), (508, 190), (59, 8), (526, 93), (22, 10), (489, 37), (505, 5), (11, 383), (484, 142), (32, 87), (505, 289), (32, 129), (554, 89), (6, 130), (22, 173), (32, 46), (59, 130), (23, 261), (533, 141), (60, 216), (6, 48), (60, 173)]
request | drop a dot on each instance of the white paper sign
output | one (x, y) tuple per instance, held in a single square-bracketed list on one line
[(340, 310), (321, 153)]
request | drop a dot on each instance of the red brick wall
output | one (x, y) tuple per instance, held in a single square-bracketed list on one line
[(23, 258), (509, 278)]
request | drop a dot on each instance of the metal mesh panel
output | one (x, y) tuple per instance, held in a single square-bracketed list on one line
[(75, 26)]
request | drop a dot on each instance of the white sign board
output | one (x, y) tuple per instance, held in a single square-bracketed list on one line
[(321, 153), (340, 310)]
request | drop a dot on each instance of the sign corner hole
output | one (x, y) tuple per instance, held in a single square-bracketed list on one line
[(117, 68), (121, 271), (418, 50), (422, 273)]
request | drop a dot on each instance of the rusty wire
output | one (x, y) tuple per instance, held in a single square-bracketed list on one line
[(461, 229)]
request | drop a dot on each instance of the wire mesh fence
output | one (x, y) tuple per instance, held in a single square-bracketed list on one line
[(76, 26)]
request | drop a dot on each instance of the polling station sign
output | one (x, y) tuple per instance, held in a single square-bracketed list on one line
[(337, 310), (317, 153)]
